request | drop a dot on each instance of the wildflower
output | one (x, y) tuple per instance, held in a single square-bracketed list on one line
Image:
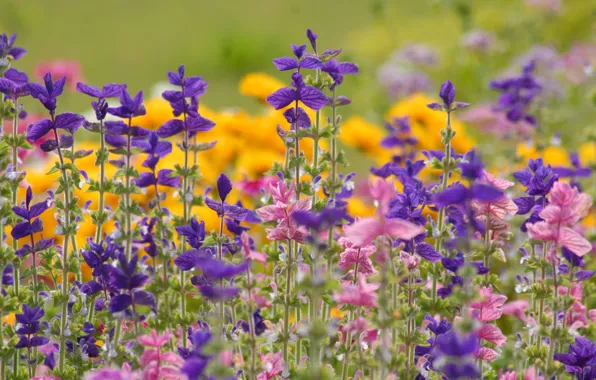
[(455, 355), (479, 41), (48, 93), (29, 326), (359, 294), (357, 257), (337, 70), (224, 186), (194, 233), (70, 69), (129, 107), (30, 213), (8, 48), (576, 171), (311, 97), (490, 307), (282, 210), (567, 206), (447, 94), (518, 94), (14, 84), (273, 365), (580, 359), (126, 278), (158, 364), (100, 106)]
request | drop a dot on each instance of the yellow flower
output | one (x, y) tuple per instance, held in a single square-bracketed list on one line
[(587, 153), (360, 134), (259, 85), (9, 319), (552, 155), (357, 206), (158, 112), (427, 124)]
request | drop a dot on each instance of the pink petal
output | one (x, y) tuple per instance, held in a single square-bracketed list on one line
[(574, 242), (493, 334), (487, 354), (149, 356), (402, 229), (301, 205), (271, 212), (516, 308), (364, 231)]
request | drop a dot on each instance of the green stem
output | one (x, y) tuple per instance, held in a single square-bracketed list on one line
[(101, 206), (444, 183), (287, 303)]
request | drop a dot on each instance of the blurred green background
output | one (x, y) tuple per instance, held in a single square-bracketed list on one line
[(135, 41)]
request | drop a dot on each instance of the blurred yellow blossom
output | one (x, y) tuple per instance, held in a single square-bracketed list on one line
[(259, 85)]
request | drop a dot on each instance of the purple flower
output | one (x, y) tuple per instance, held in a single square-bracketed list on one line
[(327, 218), (538, 182), (100, 106), (154, 148), (517, 94), (300, 62), (14, 84), (164, 178), (68, 121), (337, 70), (29, 325), (224, 186), (312, 38), (447, 94), (310, 96), (7, 47), (196, 360), (194, 233), (48, 93), (400, 134), (125, 277), (190, 88), (458, 355), (580, 359), (29, 213), (577, 170), (218, 294), (129, 107), (458, 194)]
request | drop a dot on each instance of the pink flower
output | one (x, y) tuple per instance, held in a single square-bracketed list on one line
[(496, 123), (411, 261), (281, 211), (382, 192), (592, 315), (362, 232), (112, 374), (159, 365), (509, 375), (487, 354), (490, 308), (248, 252), (360, 294), (61, 68), (501, 207), (357, 257), (516, 308), (567, 206), (492, 334), (253, 187), (273, 365)]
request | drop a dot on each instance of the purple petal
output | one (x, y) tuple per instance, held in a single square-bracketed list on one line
[(282, 98), (38, 130), (170, 128), (313, 98), (224, 186), (285, 63)]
